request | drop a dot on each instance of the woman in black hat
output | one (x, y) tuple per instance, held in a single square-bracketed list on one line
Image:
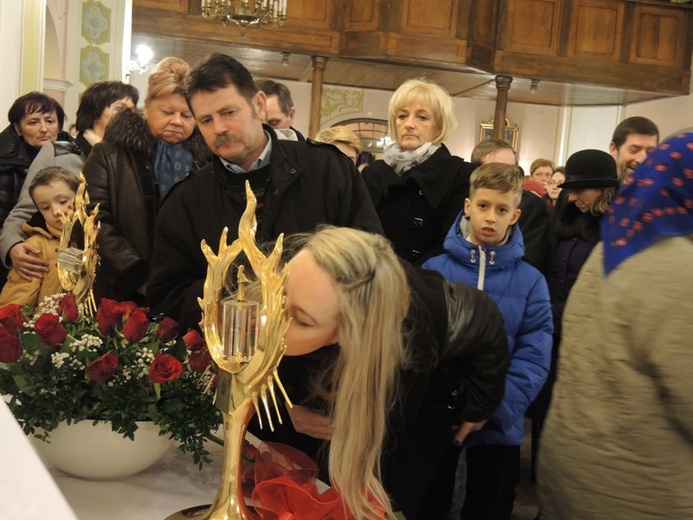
[(591, 181)]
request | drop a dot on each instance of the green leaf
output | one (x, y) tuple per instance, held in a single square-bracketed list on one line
[(24, 384), (172, 406), (153, 412), (179, 350), (32, 344), (153, 346)]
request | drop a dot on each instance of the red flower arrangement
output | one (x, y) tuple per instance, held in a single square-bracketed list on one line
[(120, 366)]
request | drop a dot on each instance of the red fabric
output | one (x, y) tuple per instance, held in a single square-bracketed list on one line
[(285, 487), (283, 498), (536, 186), (283, 483)]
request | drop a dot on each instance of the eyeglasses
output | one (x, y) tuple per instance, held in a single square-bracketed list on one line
[(555, 183)]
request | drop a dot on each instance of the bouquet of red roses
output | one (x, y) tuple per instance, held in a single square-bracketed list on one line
[(121, 366)]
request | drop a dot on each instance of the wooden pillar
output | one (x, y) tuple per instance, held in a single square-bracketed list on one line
[(502, 85), (318, 63)]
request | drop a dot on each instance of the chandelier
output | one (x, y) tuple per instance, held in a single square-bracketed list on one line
[(264, 13)]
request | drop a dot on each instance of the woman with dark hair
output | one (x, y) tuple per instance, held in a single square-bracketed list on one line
[(554, 189), (590, 183), (99, 102), (130, 172), (35, 119)]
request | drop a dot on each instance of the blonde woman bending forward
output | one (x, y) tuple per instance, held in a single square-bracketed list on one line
[(412, 363)]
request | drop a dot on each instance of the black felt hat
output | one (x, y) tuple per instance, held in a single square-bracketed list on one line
[(590, 169)]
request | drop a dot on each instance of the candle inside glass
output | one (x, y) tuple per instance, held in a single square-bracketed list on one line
[(241, 328)]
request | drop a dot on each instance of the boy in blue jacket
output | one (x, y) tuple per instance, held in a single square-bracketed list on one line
[(484, 248)]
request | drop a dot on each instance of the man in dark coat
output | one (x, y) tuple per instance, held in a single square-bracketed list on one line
[(298, 186)]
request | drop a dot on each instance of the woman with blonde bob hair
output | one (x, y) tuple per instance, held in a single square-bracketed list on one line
[(344, 139), (410, 356), (418, 188)]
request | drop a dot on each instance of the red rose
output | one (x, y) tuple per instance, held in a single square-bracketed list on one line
[(10, 346), (128, 308), (111, 313), (109, 316), (103, 368), (165, 368), (12, 317), (167, 329), (199, 359), (136, 326), (68, 308), (193, 340), (50, 331)]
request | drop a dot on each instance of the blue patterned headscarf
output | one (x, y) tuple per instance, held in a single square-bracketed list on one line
[(657, 202), (171, 163)]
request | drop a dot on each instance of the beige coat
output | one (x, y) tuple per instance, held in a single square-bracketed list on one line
[(618, 440), (19, 290)]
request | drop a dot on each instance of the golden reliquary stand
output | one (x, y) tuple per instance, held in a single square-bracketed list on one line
[(246, 341), (77, 267)]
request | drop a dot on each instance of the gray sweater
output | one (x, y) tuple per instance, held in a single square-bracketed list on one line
[(58, 153)]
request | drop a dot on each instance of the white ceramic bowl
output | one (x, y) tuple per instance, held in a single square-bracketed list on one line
[(95, 451)]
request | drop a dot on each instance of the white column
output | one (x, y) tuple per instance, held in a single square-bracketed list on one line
[(21, 47)]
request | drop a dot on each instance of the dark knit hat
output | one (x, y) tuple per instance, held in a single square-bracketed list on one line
[(590, 169)]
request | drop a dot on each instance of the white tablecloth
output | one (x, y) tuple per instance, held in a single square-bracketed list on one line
[(172, 484), (27, 491)]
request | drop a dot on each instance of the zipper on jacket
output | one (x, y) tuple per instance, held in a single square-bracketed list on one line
[(482, 269)]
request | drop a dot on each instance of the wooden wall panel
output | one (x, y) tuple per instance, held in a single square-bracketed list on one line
[(363, 44), (485, 23), (659, 36), (361, 15), (310, 13), (532, 26), (408, 47), (169, 5), (436, 18), (596, 28), (624, 44)]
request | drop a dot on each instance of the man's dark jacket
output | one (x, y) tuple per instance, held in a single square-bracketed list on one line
[(309, 184)]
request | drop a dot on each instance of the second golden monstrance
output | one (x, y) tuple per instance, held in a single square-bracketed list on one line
[(245, 337), (77, 267)]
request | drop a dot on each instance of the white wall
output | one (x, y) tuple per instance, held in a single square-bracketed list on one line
[(10, 49), (670, 115)]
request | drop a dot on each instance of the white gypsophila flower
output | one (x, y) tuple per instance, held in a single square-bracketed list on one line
[(49, 305), (87, 342), (59, 358)]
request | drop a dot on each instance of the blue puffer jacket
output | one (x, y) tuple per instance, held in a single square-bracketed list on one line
[(521, 293)]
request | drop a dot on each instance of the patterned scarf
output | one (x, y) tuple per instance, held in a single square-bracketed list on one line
[(657, 202), (401, 161), (171, 164)]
